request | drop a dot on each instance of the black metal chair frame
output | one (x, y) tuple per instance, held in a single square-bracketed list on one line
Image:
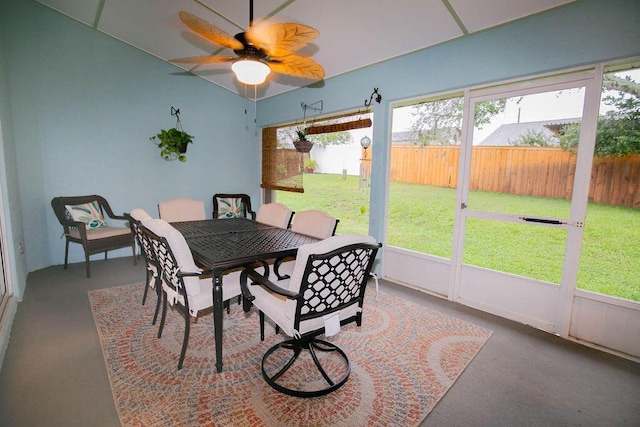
[(90, 246), (358, 257), (246, 201), (172, 276), (150, 259)]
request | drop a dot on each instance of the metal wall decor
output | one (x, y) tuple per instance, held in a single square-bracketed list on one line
[(374, 96)]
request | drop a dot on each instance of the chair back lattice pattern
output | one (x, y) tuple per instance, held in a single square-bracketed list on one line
[(143, 242), (167, 263), (335, 280)]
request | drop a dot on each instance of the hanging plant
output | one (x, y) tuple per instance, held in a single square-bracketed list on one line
[(172, 143), (302, 144)]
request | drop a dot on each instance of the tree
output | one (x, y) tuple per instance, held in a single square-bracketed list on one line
[(618, 132), (440, 122), (334, 138), (319, 140)]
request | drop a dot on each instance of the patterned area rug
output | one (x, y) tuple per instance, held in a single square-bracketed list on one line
[(403, 358)]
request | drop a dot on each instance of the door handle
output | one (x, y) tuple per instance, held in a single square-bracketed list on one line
[(543, 221)]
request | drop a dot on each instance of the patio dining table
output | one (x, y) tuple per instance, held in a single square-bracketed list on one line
[(226, 244)]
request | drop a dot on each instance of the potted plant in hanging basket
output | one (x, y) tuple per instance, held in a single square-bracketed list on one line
[(172, 143), (302, 144)]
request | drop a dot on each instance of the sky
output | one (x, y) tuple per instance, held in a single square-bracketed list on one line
[(543, 106)]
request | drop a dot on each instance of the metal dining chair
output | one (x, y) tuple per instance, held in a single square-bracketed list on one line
[(182, 209), (184, 284), (227, 205), (314, 223), (325, 291), (153, 276), (276, 214)]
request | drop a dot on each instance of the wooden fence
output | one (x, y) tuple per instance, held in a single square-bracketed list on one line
[(531, 171)]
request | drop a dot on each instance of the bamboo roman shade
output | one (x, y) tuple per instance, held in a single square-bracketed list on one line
[(281, 167)]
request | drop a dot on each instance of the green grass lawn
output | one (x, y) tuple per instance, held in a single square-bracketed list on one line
[(421, 218)]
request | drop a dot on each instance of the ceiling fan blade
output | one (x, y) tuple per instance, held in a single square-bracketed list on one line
[(280, 39), (203, 59), (209, 31), (298, 66)]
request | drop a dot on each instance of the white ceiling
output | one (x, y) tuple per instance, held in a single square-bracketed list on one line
[(353, 33)]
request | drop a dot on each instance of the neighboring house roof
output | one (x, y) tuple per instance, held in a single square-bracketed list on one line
[(404, 138), (506, 134)]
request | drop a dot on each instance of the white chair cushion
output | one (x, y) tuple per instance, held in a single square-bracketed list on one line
[(182, 209), (282, 310), (154, 273), (314, 223), (101, 233), (278, 309), (139, 214), (180, 250), (275, 214), (204, 298)]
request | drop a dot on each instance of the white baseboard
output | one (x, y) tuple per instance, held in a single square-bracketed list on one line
[(5, 326)]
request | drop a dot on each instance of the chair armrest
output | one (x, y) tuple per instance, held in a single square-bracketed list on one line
[(193, 273), (262, 280), (121, 217), (107, 209)]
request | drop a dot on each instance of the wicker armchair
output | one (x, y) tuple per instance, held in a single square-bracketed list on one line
[(89, 227)]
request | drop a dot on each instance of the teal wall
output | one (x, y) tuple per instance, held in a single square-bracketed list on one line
[(78, 107), (83, 106), (586, 32)]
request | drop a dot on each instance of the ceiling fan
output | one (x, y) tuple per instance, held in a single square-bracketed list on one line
[(262, 48)]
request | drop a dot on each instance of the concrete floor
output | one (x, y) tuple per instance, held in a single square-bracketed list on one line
[(54, 372)]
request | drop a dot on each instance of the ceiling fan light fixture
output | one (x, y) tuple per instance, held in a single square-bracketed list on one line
[(250, 71)]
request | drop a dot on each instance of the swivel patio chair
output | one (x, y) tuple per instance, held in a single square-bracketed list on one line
[(154, 278), (326, 290), (232, 206), (83, 221), (181, 209), (276, 214), (184, 284)]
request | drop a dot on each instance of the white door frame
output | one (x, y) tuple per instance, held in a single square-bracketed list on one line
[(527, 300), (601, 321)]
